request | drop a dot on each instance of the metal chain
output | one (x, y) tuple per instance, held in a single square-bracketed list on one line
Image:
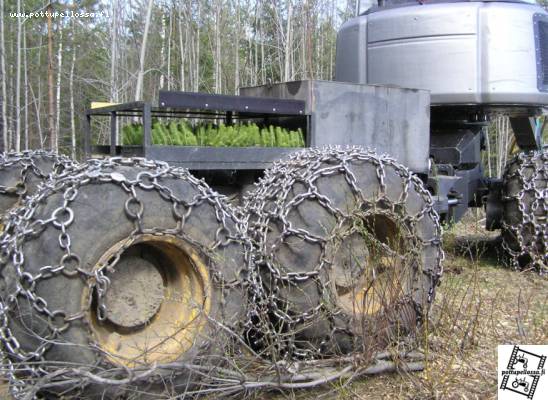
[(27, 164), (530, 172), (25, 224), (269, 207), (26, 161)]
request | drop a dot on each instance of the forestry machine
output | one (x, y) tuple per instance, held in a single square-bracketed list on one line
[(130, 276)]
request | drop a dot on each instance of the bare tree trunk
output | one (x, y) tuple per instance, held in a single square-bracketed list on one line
[(280, 42), (71, 90), (163, 50), (18, 82), (113, 52), (5, 127), (114, 61), (169, 51), (497, 135), (255, 73), (217, 49), (331, 46), (139, 88), (309, 46), (197, 60), (302, 55), (51, 99), (37, 102), (263, 66), (487, 140), (253, 48), (237, 61), (26, 84), (182, 48), (318, 45), (288, 42), (58, 95)]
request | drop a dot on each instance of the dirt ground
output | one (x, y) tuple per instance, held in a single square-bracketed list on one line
[(479, 305)]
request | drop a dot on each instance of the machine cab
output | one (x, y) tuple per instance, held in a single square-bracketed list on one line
[(464, 52)]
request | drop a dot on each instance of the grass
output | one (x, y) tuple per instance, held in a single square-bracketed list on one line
[(479, 305)]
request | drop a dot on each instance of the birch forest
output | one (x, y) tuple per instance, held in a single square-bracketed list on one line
[(58, 57), (53, 66)]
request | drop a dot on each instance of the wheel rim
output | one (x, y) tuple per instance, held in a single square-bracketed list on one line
[(374, 247), (164, 324)]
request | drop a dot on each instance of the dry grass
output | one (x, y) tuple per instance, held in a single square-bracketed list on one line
[(479, 305)]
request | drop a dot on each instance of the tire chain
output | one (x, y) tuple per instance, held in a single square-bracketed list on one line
[(62, 165), (537, 161), (305, 167), (19, 362), (27, 161)]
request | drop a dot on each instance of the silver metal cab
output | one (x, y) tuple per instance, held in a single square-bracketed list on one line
[(463, 52)]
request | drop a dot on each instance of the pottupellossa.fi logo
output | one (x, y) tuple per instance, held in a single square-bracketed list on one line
[(59, 14), (521, 373)]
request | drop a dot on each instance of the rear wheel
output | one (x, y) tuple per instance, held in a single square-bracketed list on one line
[(122, 274), (525, 210), (20, 174), (348, 252)]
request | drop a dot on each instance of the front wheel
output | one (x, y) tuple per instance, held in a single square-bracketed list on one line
[(348, 252), (125, 272)]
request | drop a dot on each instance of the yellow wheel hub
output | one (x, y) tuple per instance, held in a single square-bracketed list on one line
[(157, 302), (368, 268)]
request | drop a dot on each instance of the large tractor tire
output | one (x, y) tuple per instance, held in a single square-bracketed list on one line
[(525, 210), (123, 279), (348, 253), (21, 173)]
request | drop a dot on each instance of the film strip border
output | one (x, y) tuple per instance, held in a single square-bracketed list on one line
[(513, 358), (531, 391)]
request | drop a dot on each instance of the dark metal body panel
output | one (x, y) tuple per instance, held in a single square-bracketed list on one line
[(390, 120), (219, 158), (219, 102)]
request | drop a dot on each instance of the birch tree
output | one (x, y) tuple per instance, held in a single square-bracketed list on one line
[(237, 50), (217, 62), (139, 87), (183, 27), (71, 93), (26, 89), (196, 87), (169, 50), (288, 43), (113, 52), (51, 104), (18, 81), (163, 36), (5, 127), (58, 92), (214, 46)]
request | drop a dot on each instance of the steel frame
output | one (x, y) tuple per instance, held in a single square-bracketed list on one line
[(204, 106)]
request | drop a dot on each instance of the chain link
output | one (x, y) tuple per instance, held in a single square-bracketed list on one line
[(27, 163), (284, 187), (25, 224), (526, 240)]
